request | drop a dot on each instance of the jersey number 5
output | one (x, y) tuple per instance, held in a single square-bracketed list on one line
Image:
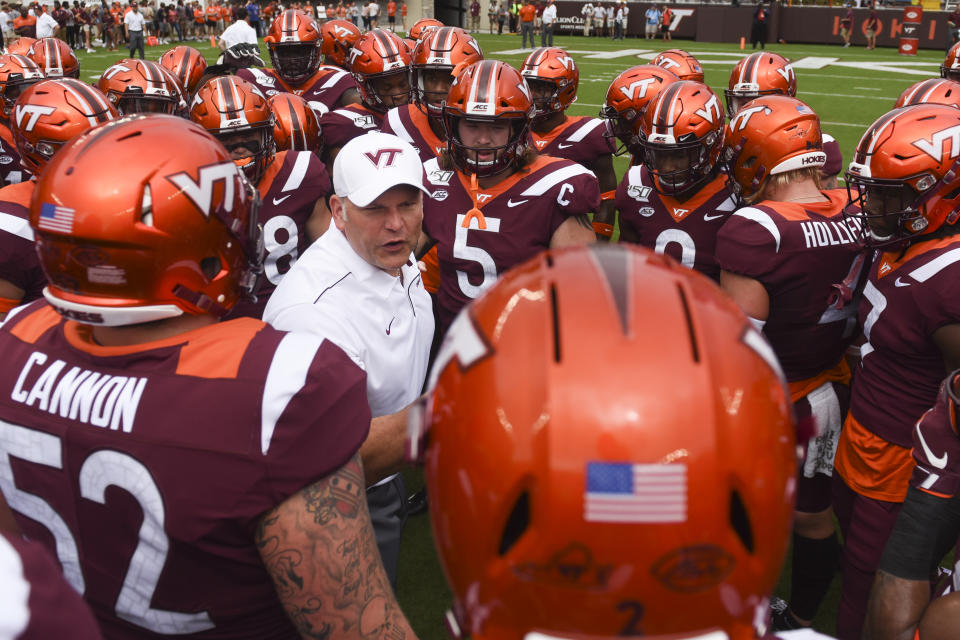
[(463, 251)]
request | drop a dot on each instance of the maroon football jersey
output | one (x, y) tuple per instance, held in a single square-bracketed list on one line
[(936, 449), (904, 302), (289, 190), (342, 125), (578, 138), (11, 171), (803, 255), (36, 603), (146, 468), (686, 231), (520, 215), (322, 90), (409, 123), (19, 264)]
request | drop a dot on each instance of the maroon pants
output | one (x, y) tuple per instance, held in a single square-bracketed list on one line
[(866, 524)]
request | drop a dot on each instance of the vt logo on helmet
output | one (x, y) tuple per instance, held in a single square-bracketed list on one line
[(905, 174), (681, 134)]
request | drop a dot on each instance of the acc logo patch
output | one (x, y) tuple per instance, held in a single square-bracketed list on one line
[(693, 569), (5, 159), (646, 212), (439, 195)]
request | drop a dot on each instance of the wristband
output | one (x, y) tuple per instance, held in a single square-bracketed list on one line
[(603, 229)]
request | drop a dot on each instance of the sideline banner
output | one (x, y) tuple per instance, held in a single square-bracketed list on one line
[(724, 23)]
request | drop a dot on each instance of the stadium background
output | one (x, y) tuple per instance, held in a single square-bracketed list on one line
[(848, 88)]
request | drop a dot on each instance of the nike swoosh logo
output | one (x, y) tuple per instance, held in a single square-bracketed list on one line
[(390, 325), (277, 201), (900, 283), (563, 146), (708, 218), (511, 203), (940, 462)]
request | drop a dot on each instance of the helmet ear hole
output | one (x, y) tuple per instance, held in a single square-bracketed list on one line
[(740, 521), (211, 266), (517, 523)]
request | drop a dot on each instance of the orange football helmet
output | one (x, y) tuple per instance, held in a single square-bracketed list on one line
[(681, 133), (438, 58), (55, 58), (488, 91), (553, 78), (239, 116), (52, 112), (295, 125), (659, 505), (187, 64), (145, 218), (183, 98), (950, 69), (380, 56), (16, 74), (681, 63), (932, 91), (759, 74), (21, 46), (139, 86), (771, 135), (294, 42), (627, 98), (339, 36), (905, 175), (422, 27)]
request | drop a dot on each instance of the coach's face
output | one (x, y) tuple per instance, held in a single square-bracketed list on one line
[(385, 232)]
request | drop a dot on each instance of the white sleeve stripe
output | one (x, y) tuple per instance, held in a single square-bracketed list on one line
[(14, 591), (553, 178), (17, 226), (763, 219), (334, 79), (635, 174), (299, 171), (585, 129), (286, 377), (935, 266), (393, 117), (349, 115)]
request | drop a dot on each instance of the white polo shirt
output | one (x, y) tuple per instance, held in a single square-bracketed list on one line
[(549, 14), (237, 33), (46, 25), (384, 323), (134, 21)]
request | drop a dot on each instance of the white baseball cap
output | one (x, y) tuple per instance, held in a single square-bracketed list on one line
[(370, 164)]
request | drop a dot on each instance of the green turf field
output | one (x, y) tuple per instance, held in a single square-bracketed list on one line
[(848, 88)]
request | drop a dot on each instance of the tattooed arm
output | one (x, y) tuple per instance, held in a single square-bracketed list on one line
[(318, 547)]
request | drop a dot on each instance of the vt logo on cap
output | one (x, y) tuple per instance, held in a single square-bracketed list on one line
[(375, 158)]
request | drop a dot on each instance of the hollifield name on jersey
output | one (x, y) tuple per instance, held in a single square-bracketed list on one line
[(825, 234), (80, 394)]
